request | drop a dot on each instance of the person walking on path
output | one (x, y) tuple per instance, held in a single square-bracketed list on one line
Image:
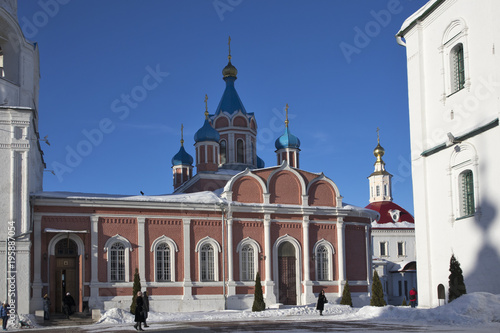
[(413, 297), (139, 311), (68, 305), (4, 313), (321, 302), (46, 307), (145, 307)]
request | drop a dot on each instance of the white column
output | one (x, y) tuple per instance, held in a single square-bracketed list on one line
[(231, 290), (186, 225), (94, 262), (308, 292), (269, 296), (341, 255), (141, 239)]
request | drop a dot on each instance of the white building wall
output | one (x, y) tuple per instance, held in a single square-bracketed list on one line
[(434, 112)]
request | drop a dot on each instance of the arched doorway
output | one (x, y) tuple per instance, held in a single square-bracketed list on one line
[(66, 272), (287, 274)]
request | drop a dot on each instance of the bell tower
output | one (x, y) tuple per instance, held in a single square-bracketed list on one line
[(380, 179)]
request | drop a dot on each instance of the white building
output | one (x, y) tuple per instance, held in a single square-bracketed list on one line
[(393, 236), (453, 85), (21, 159)]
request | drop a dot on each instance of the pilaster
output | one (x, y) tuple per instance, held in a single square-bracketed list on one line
[(141, 239), (186, 233), (341, 256), (308, 292), (94, 262), (269, 285)]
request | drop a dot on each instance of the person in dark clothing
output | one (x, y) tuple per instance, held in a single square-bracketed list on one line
[(68, 305), (139, 311), (145, 307), (413, 297), (4, 313), (46, 307), (321, 302)]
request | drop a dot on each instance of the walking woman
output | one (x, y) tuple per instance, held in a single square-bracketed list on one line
[(139, 311), (321, 302)]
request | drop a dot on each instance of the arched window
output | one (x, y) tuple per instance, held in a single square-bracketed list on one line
[(163, 272), (466, 193), (240, 152), (117, 261), (66, 248), (323, 255), (457, 68), (322, 265), (207, 263), (223, 151), (247, 263)]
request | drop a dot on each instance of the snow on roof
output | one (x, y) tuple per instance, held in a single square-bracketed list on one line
[(206, 197), (417, 15), (389, 225)]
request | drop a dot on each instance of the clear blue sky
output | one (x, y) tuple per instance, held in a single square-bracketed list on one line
[(336, 63)]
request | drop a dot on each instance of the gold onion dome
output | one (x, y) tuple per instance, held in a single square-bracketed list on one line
[(379, 151), (229, 70)]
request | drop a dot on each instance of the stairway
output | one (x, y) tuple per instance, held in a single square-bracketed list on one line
[(76, 319)]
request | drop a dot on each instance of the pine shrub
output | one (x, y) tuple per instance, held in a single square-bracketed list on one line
[(404, 302), (456, 280), (377, 292), (346, 296), (258, 301), (135, 289)]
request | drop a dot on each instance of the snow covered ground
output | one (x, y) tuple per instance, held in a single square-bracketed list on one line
[(475, 312)]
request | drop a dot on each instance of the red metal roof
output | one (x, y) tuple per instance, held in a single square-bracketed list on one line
[(385, 207)]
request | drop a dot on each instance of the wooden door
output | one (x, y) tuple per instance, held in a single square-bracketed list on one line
[(287, 281)]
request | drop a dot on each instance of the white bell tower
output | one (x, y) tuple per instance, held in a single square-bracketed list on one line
[(380, 179)]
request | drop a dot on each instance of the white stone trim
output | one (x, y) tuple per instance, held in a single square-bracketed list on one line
[(217, 250), (285, 167), (173, 248), (331, 252), (128, 249), (298, 266), (256, 250), (322, 177)]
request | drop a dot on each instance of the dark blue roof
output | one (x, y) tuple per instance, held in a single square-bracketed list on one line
[(230, 101), (182, 158), (260, 163), (207, 133), (287, 140)]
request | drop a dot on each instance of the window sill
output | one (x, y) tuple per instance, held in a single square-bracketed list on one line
[(464, 217)]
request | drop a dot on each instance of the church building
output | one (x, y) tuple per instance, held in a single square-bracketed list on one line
[(199, 248)]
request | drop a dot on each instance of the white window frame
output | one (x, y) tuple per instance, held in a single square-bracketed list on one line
[(456, 33), (173, 249), (217, 249), (128, 248), (463, 158), (256, 251), (331, 251)]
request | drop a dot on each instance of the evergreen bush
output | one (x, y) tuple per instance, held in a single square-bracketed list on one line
[(377, 292), (346, 295), (258, 301), (136, 288), (404, 302), (456, 280)]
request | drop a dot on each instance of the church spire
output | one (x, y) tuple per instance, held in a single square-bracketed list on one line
[(287, 145)]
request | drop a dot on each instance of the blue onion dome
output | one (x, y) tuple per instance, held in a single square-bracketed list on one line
[(182, 158), (287, 140), (207, 133), (260, 163)]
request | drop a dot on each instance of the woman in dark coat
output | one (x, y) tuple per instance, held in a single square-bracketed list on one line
[(139, 311), (145, 307), (321, 302)]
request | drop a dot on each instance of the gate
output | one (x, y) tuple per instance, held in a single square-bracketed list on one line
[(287, 274)]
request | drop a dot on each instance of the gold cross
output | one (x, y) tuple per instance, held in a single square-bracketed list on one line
[(182, 134), (229, 44), (286, 110), (378, 135), (206, 106)]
